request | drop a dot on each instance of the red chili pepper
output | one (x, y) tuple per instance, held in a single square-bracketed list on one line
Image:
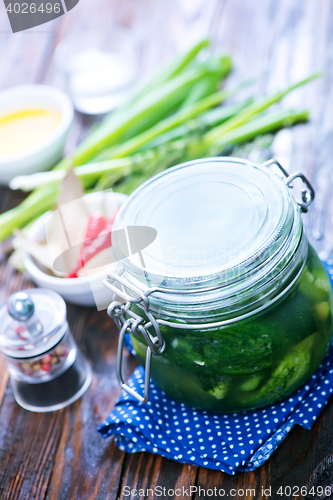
[(96, 223), (93, 246)]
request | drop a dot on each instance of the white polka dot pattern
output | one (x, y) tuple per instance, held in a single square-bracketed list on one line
[(226, 442)]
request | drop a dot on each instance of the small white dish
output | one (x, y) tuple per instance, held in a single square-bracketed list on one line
[(44, 155), (100, 68), (83, 291)]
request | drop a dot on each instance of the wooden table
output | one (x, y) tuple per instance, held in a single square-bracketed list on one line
[(60, 456)]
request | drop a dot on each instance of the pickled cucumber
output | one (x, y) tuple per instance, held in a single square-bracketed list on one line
[(250, 363)]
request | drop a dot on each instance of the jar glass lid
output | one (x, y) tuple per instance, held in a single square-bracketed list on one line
[(211, 216), (23, 333)]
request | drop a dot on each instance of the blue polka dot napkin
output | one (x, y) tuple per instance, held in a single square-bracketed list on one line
[(226, 442)]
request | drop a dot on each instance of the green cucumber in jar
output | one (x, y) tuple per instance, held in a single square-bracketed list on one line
[(290, 372), (253, 362)]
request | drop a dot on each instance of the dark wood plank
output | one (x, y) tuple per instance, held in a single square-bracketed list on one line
[(87, 466), (143, 472), (60, 455)]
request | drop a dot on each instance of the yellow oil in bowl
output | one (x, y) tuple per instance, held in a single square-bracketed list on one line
[(26, 129)]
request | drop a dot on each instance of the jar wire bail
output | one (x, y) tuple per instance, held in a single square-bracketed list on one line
[(307, 192)]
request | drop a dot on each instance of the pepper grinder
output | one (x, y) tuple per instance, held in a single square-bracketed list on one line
[(47, 370)]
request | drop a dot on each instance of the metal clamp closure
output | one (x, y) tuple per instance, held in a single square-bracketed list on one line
[(119, 313), (125, 387), (307, 193), (129, 322)]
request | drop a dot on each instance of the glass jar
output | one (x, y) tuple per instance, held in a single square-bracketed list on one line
[(230, 298)]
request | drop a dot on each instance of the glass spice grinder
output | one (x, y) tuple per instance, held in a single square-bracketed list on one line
[(47, 370)]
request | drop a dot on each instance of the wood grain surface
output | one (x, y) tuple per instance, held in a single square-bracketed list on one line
[(60, 455)]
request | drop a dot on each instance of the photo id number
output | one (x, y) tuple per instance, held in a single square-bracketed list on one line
[(32, 8)]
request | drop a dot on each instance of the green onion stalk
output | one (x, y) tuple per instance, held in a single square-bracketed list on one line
[(197, 146), (183, 149), (170, 119)]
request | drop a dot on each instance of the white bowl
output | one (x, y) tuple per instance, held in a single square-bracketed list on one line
[(44, 155), (75, 290)]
